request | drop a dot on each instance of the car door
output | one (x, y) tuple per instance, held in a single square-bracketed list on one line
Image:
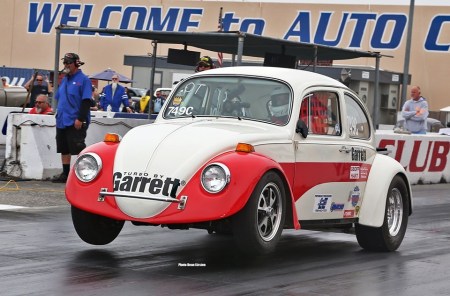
[(332, 163)]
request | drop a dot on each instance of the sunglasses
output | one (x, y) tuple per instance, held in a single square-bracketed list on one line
[(67, 63), (38, 102), (38, 79)]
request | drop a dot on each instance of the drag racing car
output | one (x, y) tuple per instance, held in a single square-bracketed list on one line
[(246, 151)]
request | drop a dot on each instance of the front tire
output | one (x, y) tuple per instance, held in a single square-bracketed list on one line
[(390, 235), (257, 227), (95, 229)]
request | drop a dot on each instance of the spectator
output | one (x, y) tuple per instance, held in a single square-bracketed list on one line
[(143, 105), (205, 63), (94, 99), (4, 84), (41, 105), (38, 87), (73, 112), (114, 95), (131, 103), (415, 112), (157, 102)]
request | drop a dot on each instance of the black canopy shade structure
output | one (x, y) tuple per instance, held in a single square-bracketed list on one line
[(238, 44)]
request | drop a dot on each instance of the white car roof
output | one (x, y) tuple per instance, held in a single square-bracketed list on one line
[(292, 76)]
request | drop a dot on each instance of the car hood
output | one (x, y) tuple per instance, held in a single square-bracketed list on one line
[(172, 152)]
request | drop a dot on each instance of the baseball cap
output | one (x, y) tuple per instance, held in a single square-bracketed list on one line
[(205, 61), (72, 58)]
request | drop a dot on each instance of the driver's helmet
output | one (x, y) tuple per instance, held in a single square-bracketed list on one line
[(279, 104)]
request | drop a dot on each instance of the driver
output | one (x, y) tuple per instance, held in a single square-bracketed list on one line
[(279, 105)]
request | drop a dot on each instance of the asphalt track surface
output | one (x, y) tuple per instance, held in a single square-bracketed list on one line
[(42, 255)]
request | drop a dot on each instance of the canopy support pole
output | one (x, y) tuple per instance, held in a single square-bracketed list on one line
[(152, 77), (56, 67), (240, 49), (377, 103)]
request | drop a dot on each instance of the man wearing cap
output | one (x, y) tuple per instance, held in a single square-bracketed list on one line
[(36, 86), (205, 63), (73, 112)]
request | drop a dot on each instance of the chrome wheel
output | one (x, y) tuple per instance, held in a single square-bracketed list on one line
[(389, 236), (258, 226), (269, 211), (394, 211)]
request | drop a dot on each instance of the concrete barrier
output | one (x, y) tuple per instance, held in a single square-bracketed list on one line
[(426, 158), (30, 149)]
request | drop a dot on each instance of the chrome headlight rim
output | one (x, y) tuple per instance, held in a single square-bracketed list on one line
[(98, 161), (226, 173)]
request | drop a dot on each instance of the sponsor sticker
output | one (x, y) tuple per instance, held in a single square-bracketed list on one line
[(359, 154), (354, 196), (349, 213), (177, 101), (336, 207), (142, 182), (322, 203), (364, 172), (354, 172)]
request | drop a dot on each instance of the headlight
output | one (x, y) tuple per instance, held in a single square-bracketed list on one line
[(87, 167), (215, 177)]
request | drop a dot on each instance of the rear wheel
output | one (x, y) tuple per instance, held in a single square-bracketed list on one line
[(257, 227), (95, 229), (390, 235)]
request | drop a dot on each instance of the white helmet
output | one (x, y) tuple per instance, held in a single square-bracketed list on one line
[(279, 107)]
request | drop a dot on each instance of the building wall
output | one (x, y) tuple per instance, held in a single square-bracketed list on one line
[(28, 34)]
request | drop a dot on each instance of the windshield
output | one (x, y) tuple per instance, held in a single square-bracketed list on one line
[(249, 98)]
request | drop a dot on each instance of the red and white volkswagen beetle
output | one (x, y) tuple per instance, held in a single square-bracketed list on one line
[(248, 151)]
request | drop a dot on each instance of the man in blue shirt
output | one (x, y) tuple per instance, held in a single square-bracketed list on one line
[(114, 95), (415, 112), (157, 102), (73, 112)]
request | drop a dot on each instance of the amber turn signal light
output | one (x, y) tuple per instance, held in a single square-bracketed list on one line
[(244, 147), (112, 138)]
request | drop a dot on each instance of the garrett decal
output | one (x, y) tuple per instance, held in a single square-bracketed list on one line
[(322, 203), (359, 154), (140, 182), (354, 196)]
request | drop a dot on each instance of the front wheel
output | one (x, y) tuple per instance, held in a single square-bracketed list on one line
[(390, 235), (95, 229), (257, 227)]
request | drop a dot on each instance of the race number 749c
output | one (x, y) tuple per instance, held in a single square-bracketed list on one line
[(180, 111)]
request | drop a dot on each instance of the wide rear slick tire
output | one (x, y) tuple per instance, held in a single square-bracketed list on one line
[(257, 227), (95, 229), (390, 235)]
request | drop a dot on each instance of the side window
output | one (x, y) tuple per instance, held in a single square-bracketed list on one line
[(358, 123), (320, 112)]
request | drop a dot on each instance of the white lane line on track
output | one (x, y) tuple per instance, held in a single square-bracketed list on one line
[(8, 207)]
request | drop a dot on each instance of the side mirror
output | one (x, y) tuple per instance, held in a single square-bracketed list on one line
[(301, 128)]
